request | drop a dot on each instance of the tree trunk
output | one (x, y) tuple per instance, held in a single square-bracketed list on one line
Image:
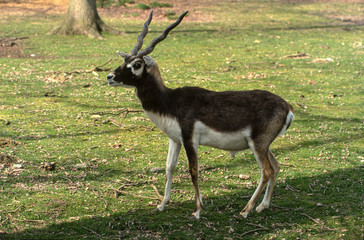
[(82, 18)]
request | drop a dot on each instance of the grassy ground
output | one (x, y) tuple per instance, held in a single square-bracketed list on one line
[(59, 112)]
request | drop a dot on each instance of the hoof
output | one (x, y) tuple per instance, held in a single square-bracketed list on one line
[(261, 207), (159, 208), (244, 214), (196, 215), (232, 154)]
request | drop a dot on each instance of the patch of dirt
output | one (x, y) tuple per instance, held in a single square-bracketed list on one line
[(11, 48), (160, 14), (39, 7), (7, 142), (321, 1), (34, 7), (45, 7), (6, 161), (31, 7), (335, 14)]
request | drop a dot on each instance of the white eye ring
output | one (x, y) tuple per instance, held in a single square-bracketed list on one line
[(137, 66)]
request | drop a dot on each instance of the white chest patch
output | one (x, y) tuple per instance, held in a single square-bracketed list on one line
[(167, 124), (231, 141)]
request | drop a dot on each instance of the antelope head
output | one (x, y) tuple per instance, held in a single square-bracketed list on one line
[(138, 65)]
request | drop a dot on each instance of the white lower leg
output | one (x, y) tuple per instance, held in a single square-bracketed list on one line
[(196, 214), (253, 199), (268, 193), (167, 193), (267, 196), (173, 152), (261, 184)]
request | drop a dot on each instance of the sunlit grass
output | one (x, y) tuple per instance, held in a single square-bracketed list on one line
[(60, 114)]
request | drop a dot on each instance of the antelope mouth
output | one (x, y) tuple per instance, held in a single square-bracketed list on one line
[(111, 81)]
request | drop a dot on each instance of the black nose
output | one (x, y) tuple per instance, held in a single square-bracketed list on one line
[(110, 76)]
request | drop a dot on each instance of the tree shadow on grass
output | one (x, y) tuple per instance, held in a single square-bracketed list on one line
[(325, 205)]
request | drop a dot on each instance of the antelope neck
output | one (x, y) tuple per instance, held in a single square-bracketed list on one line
[(155, 97)]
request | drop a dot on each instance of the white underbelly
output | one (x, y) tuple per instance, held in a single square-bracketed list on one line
[(231, 141), (202, 134)]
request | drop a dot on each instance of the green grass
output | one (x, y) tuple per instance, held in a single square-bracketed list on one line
[(108, 3), (142, 6), (156, 4), (171, 15), (62, 117)]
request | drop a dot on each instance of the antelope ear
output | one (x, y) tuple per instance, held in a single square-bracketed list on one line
[(148, 61), (123, 55)]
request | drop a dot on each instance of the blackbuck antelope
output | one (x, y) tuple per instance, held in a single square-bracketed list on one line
[(193, 116)]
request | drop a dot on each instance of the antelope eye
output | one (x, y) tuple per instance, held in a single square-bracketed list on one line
[(137, 66)]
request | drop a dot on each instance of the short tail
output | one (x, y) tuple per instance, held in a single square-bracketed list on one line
[(289, 120)]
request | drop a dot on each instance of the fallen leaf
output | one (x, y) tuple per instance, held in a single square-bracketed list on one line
[(244, 176), (17, 166), (322, 60), (81, 166), (156, 170), (48, 166), (298, 56), (312, 82)]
